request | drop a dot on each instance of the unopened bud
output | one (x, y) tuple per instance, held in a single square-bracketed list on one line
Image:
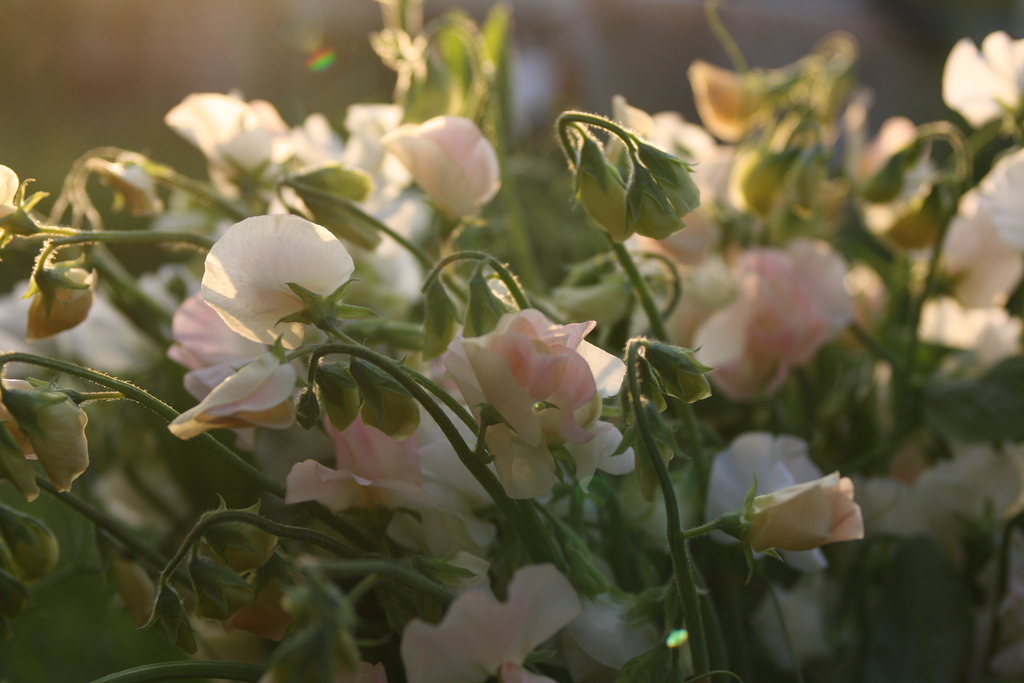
[(32, 545), (62, 297), (220, 592), (340, 394), (600, 191)]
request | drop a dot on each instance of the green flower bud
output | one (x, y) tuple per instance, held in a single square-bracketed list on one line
[(340, 394), (887, 182), (757, 178), (220, 592), (307, 410), (600, 191), (344, 185), (170, 613), (241, 546), (919, 222), (658, 199), (387, 406), (32, 545), (682, 374)]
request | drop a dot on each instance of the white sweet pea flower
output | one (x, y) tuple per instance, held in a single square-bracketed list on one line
[(1001, 194), (480, 637), (250, 266), (990, 333), (258, 395), (9, 185), (984, 85), (451, 160), (985, 269)]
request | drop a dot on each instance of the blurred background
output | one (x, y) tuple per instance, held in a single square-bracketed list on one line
[(76, 74)]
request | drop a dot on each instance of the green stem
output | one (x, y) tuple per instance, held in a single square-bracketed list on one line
[(682, 563), (215, 517), (700, 530), (391, 569), (103, 522), (497, 266), (732, 49), (129, 237), (171, 178), (174, 671), (569, 117), (643, 292), (533, 535), (147, 400), (380, 225)]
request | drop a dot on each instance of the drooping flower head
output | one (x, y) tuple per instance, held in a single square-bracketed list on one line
[(250, 266)]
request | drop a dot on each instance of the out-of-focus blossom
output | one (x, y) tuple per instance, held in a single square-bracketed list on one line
[(315, 142), (990, 333), (132, 182), (61, 309), (546, 382), (237, 138), (368, 125), (451, 160), (985, 269), (806, 516), (373, 469), (727, 102), (249, 268), (258, 395), (984, 85), (48, 427), (788, 304), (480, 637), (777, 462), (9, 185), (867, 294), (803, 608), (599, 642), (1001, 196)]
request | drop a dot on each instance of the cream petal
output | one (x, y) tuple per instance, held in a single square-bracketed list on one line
[(525, 471)]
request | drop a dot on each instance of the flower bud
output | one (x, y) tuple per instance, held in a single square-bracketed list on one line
[(918, 223), (885, 184), (726, 101), (805, 516), (606, 301), (307, 408), (340, 394), (601, 192), (133, 586), (62, 298), (683, 375), (32, 545), (758, 177), (51, 428), (387, 406), (170, 613), (241, 546), (220, 592)]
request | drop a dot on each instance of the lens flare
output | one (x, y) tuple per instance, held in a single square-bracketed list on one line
[(321, 60)]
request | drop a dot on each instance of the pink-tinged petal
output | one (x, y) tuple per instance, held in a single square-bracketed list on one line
[(525, 471), (607, 370), (540, 602), (599, 454), (250, 266), (536, 367), (509, 398), (373, 455), (337, 489), (202, 338)]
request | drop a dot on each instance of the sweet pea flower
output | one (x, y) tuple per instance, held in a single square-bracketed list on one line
[(727, 101), (258, 395), (985, 269), (132, 182), (788, 304), (9, 185), (250, 266), (984, 85), (778, 463), (806, 516), (1000, 196), (372, 469), (990, 333), (60, 310), (480, 637), (451, 160), (546, 382)]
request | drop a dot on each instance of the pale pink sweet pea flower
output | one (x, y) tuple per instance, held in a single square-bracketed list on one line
[(1001, 195), (525, 362), (777, 462), (248, 269), (202, 339), (258, 395), (806, 516), (451, 160), (480, 637), (372, 469), (788, 304), (985, 269), (984, 85)]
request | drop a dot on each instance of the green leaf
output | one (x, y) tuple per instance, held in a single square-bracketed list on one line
[(987, 408)]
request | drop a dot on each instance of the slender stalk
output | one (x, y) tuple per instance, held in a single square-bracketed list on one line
[(132, 237), (732, 49), (533, 535), (700, 530), (643, 292), (391, 569), (193, 670), (682, 563), (106, 524), (215, 517), (497, 266), (380, 225), (570, 117)]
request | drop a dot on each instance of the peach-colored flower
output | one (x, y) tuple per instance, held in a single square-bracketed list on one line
[(250, 266), (546, 382), (258, 395), (451, 160), (789, 303), (480, 637), (727, 101), (806, 516), (67, 307)]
